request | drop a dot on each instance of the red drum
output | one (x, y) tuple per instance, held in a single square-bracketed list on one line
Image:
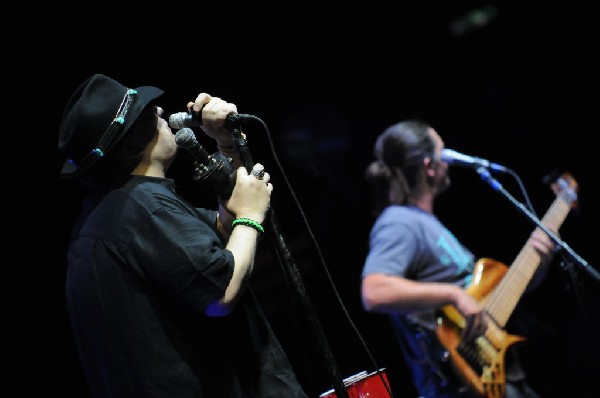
[(363, 385)]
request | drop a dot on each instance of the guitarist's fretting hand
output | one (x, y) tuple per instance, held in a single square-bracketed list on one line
[(471, 309), (545, 247), (473, 313)]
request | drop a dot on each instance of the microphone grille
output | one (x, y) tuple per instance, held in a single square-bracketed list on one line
[(447, 155), (177, 120), (185, 138)]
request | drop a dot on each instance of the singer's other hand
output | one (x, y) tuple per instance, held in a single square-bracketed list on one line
[(251, 197), (214, 112)]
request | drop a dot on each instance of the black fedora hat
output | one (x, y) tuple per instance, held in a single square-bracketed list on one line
[(96, 117)]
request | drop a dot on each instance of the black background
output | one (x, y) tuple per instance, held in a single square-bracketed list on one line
[(518, 88)]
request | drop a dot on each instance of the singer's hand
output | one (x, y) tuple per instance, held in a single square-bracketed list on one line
[(214, 112), (251, 197)]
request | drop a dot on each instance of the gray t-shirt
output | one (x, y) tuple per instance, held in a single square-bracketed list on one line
[(408, 242)]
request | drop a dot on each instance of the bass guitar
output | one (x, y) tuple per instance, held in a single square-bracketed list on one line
[(480, 362)]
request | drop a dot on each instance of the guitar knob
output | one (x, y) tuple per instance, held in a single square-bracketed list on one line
[(445, 357)]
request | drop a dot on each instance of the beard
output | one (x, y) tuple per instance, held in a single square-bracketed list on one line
[(442, 183)]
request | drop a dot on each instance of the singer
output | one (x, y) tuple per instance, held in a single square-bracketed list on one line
[(157, 290), (415, 265)]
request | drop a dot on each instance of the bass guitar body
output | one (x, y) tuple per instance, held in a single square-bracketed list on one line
[(480, 363)]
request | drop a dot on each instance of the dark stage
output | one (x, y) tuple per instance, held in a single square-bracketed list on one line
[(513, 85)]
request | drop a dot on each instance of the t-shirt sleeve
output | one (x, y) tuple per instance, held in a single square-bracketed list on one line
[(392, 245)]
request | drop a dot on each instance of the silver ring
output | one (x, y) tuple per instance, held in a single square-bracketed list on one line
[(259, 174)]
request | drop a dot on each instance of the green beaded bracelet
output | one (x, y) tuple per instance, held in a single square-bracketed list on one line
[(250, 223)]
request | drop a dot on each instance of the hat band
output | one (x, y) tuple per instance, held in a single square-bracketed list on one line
[(107, 138)]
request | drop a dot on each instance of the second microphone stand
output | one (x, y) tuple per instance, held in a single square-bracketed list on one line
[(487, 177), (293, 274)]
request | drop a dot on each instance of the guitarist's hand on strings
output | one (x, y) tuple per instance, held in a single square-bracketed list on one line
[(473, 313), (546, 249), (543, 245)]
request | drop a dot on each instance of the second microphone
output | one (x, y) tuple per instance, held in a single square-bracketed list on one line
[(214, 172), (194, 119)]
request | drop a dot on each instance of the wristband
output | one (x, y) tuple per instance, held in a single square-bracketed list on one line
[(230, 149), (249, 223), (227, 149)]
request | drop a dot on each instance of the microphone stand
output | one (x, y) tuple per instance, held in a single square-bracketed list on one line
[(487, 177), (286, 259)]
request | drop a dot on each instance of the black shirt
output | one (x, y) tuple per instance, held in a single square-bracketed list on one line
[(143, 265)]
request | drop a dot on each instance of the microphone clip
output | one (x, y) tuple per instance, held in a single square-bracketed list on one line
[(217, 176)]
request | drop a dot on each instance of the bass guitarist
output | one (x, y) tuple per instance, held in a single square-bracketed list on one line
[(416, 266)]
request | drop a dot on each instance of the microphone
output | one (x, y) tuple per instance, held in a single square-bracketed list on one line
[(194, 119), (453, 157), (186, 139), (214, 171)]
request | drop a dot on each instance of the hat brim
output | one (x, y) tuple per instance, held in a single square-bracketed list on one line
[(145, 95)]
